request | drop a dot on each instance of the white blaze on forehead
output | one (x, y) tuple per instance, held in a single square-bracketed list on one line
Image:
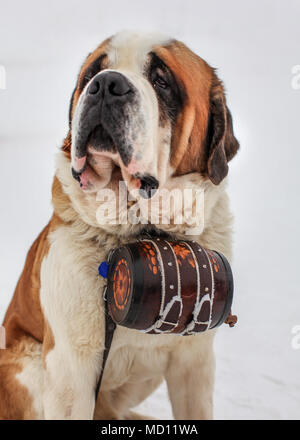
[(130, 49)]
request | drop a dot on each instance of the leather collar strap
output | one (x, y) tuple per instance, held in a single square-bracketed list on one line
[(110, 327)]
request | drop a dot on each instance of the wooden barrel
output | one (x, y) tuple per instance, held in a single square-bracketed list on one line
[(162, 286)]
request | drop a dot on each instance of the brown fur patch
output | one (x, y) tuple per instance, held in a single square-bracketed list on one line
[(15, 401), (24, 315), (203, 138), (24, 325), (194, 76)]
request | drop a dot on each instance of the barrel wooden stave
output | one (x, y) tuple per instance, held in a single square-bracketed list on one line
[(175, 287)]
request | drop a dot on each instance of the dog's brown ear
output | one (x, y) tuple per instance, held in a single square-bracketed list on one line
[(221, 143)]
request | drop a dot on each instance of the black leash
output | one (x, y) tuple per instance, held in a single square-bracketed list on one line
[(110, 327)]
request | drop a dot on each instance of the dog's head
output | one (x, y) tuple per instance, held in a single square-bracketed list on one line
[(145, 109), (152, 108)]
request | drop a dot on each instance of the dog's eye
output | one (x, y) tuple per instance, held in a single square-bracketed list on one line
[(160, 82)]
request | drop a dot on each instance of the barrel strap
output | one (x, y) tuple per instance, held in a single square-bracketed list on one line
[(110, 327)]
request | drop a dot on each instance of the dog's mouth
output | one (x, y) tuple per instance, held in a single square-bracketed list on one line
[(102, 162), (100, 140)]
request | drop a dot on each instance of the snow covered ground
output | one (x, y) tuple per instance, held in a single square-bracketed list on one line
[(255, 45)]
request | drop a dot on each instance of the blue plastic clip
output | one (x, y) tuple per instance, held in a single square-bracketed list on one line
[(103, 269)]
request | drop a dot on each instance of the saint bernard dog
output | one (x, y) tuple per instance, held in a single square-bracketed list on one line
[(148, 111)]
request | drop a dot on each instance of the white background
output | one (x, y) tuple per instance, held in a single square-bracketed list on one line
[(254, 44)]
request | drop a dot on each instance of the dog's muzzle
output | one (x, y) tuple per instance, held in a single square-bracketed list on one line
[(101, 117), (105, 122)]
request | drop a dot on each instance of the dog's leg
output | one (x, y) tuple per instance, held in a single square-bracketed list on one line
[(70, 376), (190, 377), (69, 387), (74, 330), (118, 403)]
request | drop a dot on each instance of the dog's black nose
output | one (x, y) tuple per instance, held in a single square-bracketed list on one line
[(110, 84), (117, 84)]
